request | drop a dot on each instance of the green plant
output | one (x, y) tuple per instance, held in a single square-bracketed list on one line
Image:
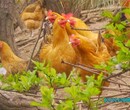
[(121, 38), (20, 82), (74, 90)]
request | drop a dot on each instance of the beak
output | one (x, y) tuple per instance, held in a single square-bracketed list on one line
[(47, 18), (50, 25), (68, 21), (70, 42)]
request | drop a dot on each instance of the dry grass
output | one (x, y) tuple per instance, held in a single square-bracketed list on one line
[(75, 6)]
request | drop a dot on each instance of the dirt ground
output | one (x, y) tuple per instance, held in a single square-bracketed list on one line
[(26, 44)]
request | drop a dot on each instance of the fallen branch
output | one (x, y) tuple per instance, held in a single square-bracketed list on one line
[(95, 71), (118, 74), (16, 101), (81, 29)]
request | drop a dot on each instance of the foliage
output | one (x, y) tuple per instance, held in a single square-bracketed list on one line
[(74, 90), (20, 82), (120, 33)]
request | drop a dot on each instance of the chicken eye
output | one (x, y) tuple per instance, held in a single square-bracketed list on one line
[(61, 19)]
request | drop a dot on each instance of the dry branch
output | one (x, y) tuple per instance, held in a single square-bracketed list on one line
[(16, 101)]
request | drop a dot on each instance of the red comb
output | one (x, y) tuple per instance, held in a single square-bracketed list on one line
[(72, 35), (49, 12), (1, 43), (67, 16), (74, 41)]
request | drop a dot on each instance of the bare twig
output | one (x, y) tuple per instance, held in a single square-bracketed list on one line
[(118, 74), (109, 96), (104, 105), (28, 66), (114, 82), (115, 89), (82, 67), (81, 29), (125, 76)]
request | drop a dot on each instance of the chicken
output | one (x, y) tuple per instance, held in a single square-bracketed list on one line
[(110, 42), (98, 42), (126, 4), (78, 23), (75, 22), (59, 49), (12, 63), (88, 53), (51, 16), (37, 14), (33, 15), (31, 24)]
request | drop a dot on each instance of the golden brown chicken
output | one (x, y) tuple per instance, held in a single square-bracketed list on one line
[(59, 49), (77, 23), (88, 53), (74, 22), (37, 14), (86, 49), (51, 16), (125, 3), (33, 15), (12, 63)]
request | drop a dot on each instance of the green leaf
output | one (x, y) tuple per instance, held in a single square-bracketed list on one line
[(117, 17), (111, 26), (73, 91), (107, 14), (128, 43), (67, 105), (120, 27), (47, 94), (126, 11)]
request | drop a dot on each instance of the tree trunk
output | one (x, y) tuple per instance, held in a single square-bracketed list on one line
[(7, 13)]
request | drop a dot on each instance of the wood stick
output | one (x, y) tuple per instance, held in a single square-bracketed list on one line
[(28, 66)]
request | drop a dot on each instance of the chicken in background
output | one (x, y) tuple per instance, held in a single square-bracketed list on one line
[(59, 49), (12, 63), (126, 4), (110, 42), (33, 15)]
